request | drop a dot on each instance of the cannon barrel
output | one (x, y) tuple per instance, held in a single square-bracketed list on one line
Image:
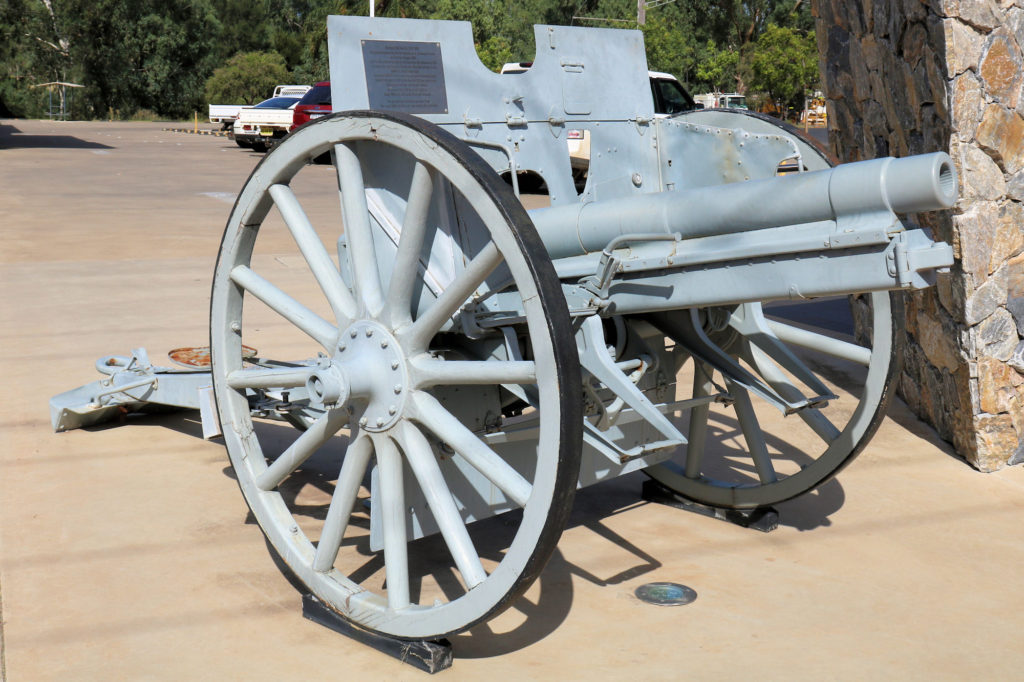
[(926, 182)]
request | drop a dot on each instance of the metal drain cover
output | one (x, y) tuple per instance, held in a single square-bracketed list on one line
[(665, 594)]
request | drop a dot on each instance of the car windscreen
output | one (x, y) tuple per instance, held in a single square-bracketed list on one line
[(319, 95), (277, 103), (673, 98)]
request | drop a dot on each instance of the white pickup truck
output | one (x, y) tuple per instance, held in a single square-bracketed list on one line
[(258, 127), (226, 114)]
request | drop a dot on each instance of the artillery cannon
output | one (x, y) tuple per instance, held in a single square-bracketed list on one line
[(464, 357)]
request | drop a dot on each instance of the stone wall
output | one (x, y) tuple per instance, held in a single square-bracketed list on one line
[(915, 76)]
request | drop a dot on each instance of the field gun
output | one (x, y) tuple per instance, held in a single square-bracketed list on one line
[(445, 354)]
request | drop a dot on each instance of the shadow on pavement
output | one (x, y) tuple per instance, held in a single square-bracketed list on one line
[(12, 138)]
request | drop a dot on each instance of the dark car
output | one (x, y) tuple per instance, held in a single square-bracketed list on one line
[(313, 105)]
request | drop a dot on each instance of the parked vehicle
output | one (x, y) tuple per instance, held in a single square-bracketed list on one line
[(670, 97), (814, 113), (260, 126), (314, 104), (722, 100), (227, 114), (291, 90)]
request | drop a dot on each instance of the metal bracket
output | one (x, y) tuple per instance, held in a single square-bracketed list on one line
[(595, 360), (600, 282), (749, 320), (431, 655), (764, 519)]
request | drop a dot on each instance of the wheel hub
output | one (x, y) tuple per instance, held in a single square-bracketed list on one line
[(368, 367)]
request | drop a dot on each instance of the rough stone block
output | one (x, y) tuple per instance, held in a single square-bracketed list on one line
[(1001, 68), (981, 14), (972, 237), (997, 335), (944, 290), (859, 72), (938, 340), (1015, 276), (911, 392), (1001, 134), (935, 68), (1008, 239), (912, 11), (1017, 359), (980, 177), (1016, 307), (914, 42), (872, 52), (997, 383), (963, 47), (1015, 187), (997, 441), (967, 103), (986, 299), (1014, 20)]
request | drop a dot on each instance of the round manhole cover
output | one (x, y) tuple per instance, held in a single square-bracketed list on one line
[(665, 594)]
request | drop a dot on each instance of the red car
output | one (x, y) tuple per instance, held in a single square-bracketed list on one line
[(313, 105)]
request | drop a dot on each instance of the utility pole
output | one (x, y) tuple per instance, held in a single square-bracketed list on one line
[(641, 12)]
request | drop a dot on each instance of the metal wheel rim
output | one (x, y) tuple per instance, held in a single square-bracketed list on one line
[(550, 496)]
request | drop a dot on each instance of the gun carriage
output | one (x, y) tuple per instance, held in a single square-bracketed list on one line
[(465, 357)]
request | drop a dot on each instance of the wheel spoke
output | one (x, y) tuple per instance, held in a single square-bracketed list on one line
[(453, 297), (424, 466), (322, 331), (410, 246), (353, 467), (813, 417), (326, 272), (431, 414), (820, 342), (392, 503), (698, 431), (356, 219), (432, 372), (752, 433), (266, 377), (302, 449)]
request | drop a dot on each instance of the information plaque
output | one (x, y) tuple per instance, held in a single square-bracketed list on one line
[(405, 76)]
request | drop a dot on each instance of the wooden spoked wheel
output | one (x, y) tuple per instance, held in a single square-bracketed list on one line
[(428, 227), (744, 453)]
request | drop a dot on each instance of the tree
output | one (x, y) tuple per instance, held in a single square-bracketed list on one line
[(152, 54), (784, 63), (502, 29), (32, 50), (719, 68), (247, 78)]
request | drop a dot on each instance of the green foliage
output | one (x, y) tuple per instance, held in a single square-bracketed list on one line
[(152, 54), (247, 78), (32, 51), (784, 64), (719, 68), (502, 29), (159, 54)]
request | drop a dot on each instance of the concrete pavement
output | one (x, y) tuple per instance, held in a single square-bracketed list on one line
[(127, 552)]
